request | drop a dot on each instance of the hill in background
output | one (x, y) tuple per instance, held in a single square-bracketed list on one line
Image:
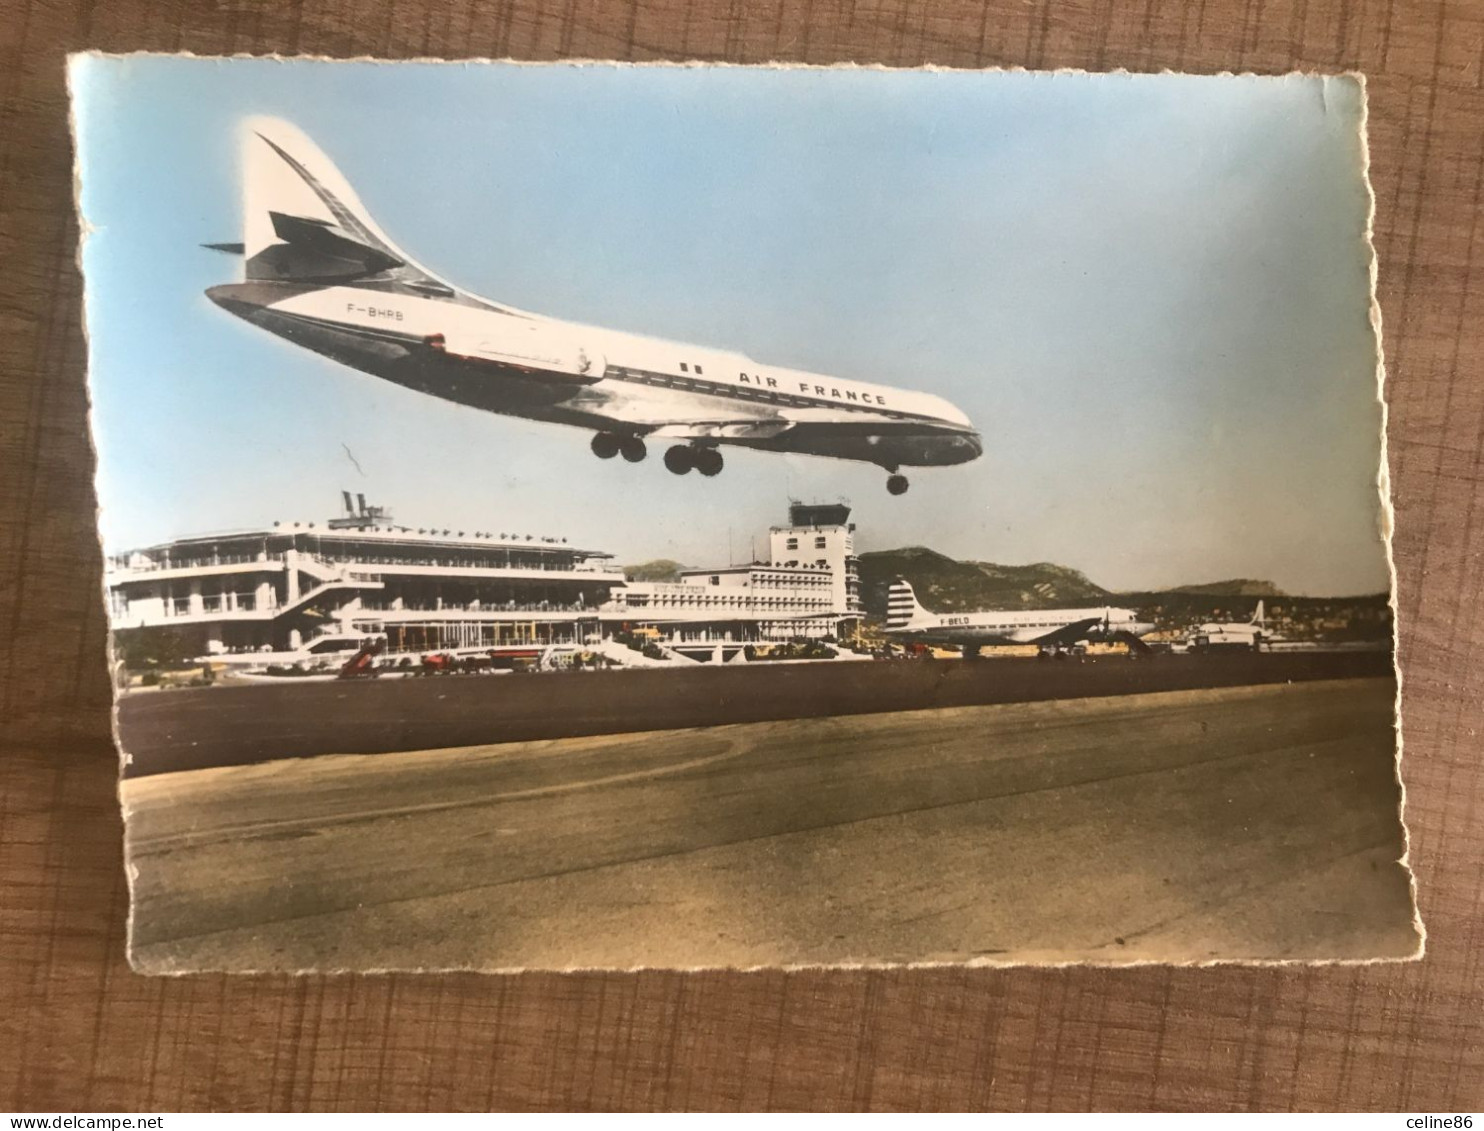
[(1236, 587), (661, 569), (945, 585), (949, 586)]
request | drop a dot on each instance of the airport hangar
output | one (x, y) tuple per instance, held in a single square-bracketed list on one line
[(303, 591)]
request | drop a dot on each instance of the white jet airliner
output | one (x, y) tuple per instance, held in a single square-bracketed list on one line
[(1218, 636), (1053, 630), (320, 273)]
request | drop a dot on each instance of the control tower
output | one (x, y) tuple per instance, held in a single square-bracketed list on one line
[(821, 535)]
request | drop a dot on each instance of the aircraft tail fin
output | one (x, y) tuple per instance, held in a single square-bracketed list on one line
[(902, 609), (1260, 617), (302, 221)]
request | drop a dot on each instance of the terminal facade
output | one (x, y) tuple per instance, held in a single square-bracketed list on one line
[(300, 591), (809, 588)]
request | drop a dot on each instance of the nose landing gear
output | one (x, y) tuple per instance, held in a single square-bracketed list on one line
[(897, 484), (683, 457)]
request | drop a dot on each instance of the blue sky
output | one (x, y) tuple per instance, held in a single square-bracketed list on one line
[(1149, 292)]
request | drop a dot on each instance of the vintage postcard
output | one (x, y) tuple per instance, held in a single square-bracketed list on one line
[(603, 516)]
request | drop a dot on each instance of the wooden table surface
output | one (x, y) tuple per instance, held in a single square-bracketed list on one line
[(79, 1031)]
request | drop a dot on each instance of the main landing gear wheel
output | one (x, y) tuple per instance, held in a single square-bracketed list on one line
[(707, 461), (633, 449), (605, 445), (685, 457), (897, 484)]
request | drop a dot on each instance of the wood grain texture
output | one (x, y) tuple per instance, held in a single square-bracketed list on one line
[(78, 1031)]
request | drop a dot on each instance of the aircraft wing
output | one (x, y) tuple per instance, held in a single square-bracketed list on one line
[(1072, 633), (676, 415), (670, 414), (744, 429)]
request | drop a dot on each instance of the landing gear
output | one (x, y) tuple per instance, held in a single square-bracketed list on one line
[(1061, 652), (708, 461), (606, 445), (897, 484), (683, 457), (678, 459)]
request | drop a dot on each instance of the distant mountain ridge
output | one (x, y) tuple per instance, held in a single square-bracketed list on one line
[(947, 585), (660, 569), (1236, 587)]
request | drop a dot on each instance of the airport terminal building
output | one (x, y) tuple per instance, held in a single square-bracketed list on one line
[(809, 588), (297, 591)]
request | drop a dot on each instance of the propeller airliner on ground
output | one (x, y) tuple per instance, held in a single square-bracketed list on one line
[(1052, 630), (1248, 636), (321, 274)]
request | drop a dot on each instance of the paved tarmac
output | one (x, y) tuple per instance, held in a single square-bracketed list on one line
[(167, 731), (1237, 823)]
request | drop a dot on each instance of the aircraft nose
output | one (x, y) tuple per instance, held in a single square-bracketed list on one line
[(972, 445)]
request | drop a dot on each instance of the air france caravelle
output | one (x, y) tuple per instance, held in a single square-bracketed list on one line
[(321, 274), (1052, 630)]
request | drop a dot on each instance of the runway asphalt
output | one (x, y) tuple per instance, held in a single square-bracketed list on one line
[(1236, 823), (167, 731)]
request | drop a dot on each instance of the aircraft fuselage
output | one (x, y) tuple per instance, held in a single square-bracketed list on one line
[(564, 373), (1049, 628), (1032, 627), (320, 274)]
